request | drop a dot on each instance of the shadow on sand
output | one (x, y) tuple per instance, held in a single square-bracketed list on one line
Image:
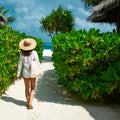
[(12, 100), (48, 90)]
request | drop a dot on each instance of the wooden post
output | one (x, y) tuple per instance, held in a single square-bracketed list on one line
[(118, 23)]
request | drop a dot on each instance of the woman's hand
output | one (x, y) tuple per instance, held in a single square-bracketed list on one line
[(20, 77)]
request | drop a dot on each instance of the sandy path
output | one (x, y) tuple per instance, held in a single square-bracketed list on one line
[(51, 102)]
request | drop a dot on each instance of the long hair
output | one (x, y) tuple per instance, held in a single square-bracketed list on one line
[(26, 52)]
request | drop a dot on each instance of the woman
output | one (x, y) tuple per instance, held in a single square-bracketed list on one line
[(26, 56)]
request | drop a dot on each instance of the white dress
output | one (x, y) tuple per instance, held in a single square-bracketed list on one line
[(24, 64)]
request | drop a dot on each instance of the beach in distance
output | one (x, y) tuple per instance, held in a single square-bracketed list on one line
[(47, 46)]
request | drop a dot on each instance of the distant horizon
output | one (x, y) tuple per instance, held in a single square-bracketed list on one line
[(47, 46)]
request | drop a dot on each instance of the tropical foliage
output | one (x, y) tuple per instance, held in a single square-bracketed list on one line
[(9, 53), (4, 18), (59, 21), (88, 63)]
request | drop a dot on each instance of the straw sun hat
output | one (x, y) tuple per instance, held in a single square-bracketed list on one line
[(27, 44)]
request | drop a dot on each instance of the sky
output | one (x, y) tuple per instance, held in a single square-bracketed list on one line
[(28, 13)]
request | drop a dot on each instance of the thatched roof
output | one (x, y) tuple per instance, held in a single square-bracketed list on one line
[(105, 11), (106, 5), (3, 19)]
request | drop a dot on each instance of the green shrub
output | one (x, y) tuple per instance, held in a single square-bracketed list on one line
[(9, 53), (88, 62)]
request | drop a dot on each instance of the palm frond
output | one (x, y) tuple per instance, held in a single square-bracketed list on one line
[(1, 9), (5, 12), (11, 19)]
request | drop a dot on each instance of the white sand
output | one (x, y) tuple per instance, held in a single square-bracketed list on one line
[(51, 102)]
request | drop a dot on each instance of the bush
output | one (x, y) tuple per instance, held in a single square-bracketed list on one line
[(9, 53), (88, 62)]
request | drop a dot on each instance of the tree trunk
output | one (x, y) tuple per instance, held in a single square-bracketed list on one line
[(118, 23)]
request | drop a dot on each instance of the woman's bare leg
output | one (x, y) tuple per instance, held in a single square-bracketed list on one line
[(32, 90), (27, 93)]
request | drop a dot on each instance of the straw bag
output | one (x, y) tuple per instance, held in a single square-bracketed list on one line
[(35, 69)]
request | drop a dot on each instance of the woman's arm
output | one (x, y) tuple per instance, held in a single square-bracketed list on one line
[(20, 62)]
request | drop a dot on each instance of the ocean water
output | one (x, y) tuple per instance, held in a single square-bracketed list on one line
[(47, 46)]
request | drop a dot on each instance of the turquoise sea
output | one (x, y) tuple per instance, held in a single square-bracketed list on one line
[(47, 46)]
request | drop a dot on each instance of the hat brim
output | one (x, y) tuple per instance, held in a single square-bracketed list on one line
[(31, 47)]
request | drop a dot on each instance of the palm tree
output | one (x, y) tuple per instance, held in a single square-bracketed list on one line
[(3, 19), (47, 26), (59, 21)]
